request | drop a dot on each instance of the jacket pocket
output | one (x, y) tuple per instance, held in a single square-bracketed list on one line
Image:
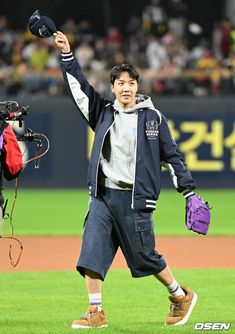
[(144, 235)]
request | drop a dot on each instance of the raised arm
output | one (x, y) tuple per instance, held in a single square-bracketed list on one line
[(86, 99)]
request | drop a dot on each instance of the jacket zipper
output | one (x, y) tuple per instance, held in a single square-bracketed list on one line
[(133, 189), (97, 167)]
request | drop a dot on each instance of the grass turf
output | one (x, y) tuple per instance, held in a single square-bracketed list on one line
[(46, 303), (61, 212)]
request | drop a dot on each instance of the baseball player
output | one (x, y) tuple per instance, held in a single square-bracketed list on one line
[(132, 141)]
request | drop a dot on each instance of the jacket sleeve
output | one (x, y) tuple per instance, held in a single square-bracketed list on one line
[(173, 160), (86, 99)]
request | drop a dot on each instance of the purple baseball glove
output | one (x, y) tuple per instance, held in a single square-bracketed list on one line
[(197, 214)]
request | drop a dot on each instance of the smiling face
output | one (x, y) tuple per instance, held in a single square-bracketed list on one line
[(125, 89)]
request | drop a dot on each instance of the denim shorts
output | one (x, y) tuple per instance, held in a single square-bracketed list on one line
[(111, 223)]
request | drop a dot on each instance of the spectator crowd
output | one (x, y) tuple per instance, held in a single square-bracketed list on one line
[(174, 55)]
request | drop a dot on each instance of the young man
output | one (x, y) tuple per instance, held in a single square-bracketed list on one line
[(132, 141)]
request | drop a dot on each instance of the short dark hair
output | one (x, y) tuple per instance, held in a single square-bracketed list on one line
[(117, 70)]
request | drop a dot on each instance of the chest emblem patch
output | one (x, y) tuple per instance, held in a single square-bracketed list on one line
[(152, 129)]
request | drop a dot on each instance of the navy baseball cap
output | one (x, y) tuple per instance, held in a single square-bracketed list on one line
[(40, 25)]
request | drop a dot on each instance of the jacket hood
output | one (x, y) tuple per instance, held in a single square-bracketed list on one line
[(142, 101)]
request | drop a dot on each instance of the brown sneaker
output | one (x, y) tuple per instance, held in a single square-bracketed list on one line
[(181, 307), (92, 319)]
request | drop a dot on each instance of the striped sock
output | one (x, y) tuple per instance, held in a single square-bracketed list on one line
[(175, 289), (95, 299)]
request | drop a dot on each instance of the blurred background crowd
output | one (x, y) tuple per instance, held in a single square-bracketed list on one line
[(174, 52)]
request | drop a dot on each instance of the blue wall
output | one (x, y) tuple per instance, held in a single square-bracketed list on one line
[(204, 128)]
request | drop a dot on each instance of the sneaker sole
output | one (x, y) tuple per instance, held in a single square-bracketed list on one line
[(87, 327), (185, 319)]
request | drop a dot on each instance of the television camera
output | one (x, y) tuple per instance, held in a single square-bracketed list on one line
[(12, 111)]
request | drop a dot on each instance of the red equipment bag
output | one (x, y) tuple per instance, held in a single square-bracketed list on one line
[(12, 160)]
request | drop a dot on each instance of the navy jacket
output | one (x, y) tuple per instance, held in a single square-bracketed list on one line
[(155, 145)]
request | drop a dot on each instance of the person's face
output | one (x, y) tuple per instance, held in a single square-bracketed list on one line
[(125, 89)]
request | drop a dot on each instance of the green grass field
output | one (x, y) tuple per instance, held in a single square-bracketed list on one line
[(46, 303), (61, 212)]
